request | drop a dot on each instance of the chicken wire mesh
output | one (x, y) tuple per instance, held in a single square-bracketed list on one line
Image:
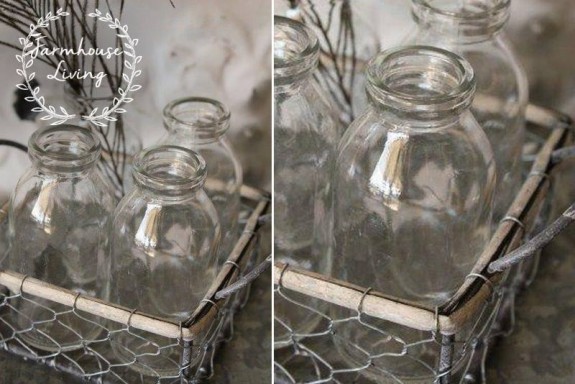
[(327, 355), (101, 347), (328, 338)]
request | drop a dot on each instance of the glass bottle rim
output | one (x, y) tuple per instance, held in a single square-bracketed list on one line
[(169, 170), (210, 118), (64, 148), (303, 49), (450, 66), (497, 8), (474, 24)]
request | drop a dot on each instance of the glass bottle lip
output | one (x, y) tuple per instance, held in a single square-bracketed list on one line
[(480, 18), (64, 148), (205, 119), (447, 79), (169, 170), (296, 50)]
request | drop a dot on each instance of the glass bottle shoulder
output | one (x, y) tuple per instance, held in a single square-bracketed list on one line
[(89, 189), (306, 112), (379, 136), (141, 216), (197, 209), (497, 68)]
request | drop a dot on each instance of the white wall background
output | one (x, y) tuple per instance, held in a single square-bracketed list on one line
[(218, 49)]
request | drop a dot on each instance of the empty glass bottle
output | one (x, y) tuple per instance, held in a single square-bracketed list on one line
[(163, 250), (58, 233), (413, 190), (200, 124), (474, 30), (306, 135)]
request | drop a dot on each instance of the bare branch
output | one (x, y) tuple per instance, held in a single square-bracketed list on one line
[(535, 244)]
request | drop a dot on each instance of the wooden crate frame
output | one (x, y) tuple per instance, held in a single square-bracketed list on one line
[(202, 319)]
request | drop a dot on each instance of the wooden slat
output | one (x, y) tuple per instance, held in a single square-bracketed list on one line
[(39, 289), (228, 273), (203, 314), (349, 296), (532, 191)]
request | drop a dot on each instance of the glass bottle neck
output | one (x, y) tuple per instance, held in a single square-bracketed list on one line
[(64, 151), (296, 53), (199, 119), (420, 83), (464, 21), (169, 172)]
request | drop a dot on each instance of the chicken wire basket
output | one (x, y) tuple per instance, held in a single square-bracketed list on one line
[(417, 344), (195, 340)]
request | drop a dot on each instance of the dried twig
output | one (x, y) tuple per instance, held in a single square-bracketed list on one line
[(535, 244), (338, 59), (245, 280), (563, 154), (14, 144)]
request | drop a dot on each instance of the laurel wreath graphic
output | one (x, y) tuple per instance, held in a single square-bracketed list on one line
[(60, 117)]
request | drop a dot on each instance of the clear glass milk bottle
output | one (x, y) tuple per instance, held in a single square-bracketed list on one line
[(163, 250), (413, 193), (305, 138), (474, 30), (200, 124), (58, 233)]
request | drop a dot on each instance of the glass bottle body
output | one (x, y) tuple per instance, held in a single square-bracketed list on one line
[(473, 30), (58, 233), (163, 251), (413, 193), (200, 124), (305, 138)]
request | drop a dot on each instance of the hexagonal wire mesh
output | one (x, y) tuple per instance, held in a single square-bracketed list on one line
[(102, 342), (342, 333)]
